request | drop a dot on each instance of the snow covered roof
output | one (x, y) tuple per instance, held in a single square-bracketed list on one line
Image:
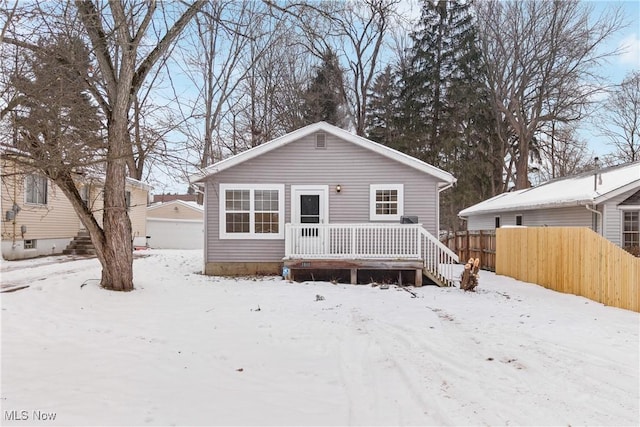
[(577, 190), (444, 177)]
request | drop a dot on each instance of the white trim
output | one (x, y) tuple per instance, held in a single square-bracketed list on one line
[(633, 185), (46, 189), (150, 218), (445, 177), (628, 207), (251, 235), (324, 205), (373, 216), (622, 232)]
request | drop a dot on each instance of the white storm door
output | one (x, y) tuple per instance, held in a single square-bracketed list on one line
[(309, 206)]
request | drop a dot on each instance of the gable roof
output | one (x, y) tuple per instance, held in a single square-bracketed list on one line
[(189, 205), (444, 177), (576, 190)]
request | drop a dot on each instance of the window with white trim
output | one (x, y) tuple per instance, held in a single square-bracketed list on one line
[(631, 229), (386, 202), (35, 189), (251, 211)]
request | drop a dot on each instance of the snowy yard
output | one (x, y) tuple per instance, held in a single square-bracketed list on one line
[(186, 349)]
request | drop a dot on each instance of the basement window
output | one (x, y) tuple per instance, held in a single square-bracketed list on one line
[(30, 244)]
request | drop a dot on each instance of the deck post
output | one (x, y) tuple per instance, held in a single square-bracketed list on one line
[(418, 282), (354, 276), (287, 240)]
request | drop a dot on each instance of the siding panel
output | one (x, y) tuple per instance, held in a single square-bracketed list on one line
[(559, 217), (612, 217), (300, 163)]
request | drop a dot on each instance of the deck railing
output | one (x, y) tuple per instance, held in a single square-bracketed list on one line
[(370, 241), (438, 258)]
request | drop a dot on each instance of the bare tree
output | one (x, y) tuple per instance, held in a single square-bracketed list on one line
[(362, 26), (560, 153), (620, 122), (214, 60), (8, 12), (271, 94), (118, 69), (539, 56)]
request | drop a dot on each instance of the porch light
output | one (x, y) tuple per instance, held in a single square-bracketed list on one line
[(338, 188)]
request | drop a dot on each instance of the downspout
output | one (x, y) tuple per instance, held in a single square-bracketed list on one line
[(595, 211), (15, 197), (440, 190), (596, 178)]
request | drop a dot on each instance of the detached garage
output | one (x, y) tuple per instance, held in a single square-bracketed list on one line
[(175, 225)]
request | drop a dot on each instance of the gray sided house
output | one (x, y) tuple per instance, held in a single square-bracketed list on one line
[(323, 198), (607, 201)]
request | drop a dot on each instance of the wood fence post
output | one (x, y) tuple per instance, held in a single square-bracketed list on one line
[(468, 248), (481, 255)]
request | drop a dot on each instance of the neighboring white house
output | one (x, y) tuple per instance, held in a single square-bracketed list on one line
[(607, 201), (175, 225)]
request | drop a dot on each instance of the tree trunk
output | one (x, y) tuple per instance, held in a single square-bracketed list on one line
[(522, 172), (117, 259)]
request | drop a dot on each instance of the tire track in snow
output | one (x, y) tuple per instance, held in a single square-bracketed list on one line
[(392, 391)]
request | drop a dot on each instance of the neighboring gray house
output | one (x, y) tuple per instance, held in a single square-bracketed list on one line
[(608, 202), (323, 198)]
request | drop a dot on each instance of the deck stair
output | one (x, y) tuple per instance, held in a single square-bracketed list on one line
[(80, 245)]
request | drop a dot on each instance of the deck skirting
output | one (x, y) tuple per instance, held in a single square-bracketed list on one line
[(353, 265)]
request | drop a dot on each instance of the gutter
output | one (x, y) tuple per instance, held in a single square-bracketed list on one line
[(446, 187)]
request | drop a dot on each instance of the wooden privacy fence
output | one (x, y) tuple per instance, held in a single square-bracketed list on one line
[(572, 260), (474, 244)]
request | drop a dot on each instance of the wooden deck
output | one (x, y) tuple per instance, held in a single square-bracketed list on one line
[(367, 246)]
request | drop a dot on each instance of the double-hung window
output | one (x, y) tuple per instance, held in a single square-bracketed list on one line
[(386, 202), (35, 188), (251, 211), (631, 229)]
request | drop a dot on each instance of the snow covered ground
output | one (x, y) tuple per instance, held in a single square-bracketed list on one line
[(186, 349)]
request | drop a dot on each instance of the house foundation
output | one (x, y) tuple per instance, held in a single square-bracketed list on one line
[(295, 266), (243, 268)]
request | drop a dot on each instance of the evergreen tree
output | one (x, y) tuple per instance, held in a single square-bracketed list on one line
[(381, 112), (324, 99), (444, 114)]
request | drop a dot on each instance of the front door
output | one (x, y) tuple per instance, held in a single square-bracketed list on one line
[(309, 205)]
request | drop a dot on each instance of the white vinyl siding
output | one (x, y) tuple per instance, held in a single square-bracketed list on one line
[(35, 189), (386, 202), (554, 217), (251, 211)]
